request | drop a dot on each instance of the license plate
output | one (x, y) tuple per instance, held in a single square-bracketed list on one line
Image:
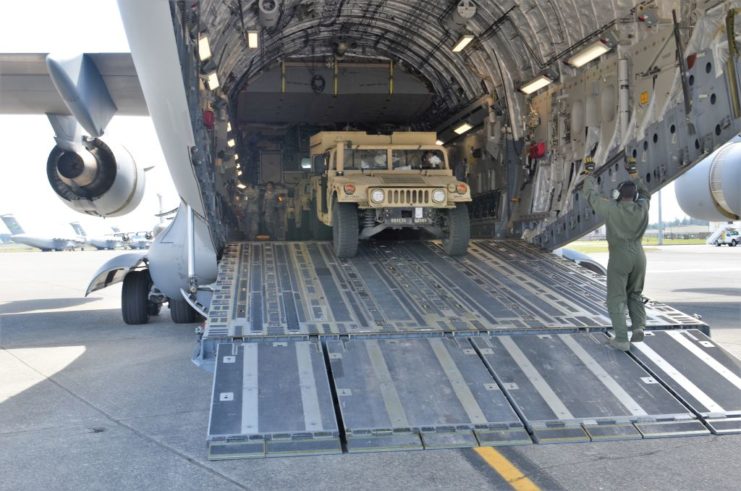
[(419, 212)]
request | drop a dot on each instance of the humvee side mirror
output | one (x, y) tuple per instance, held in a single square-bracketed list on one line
[(319, 164)]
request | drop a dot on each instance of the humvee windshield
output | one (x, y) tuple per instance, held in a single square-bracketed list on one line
[(372, 159), (417, 159)]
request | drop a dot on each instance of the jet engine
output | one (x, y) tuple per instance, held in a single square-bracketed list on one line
[(96, 178), (711, 190)]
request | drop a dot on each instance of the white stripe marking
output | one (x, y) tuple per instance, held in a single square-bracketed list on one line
[(683, 381), (599, 372), (709, 360), (545, 391), (250, 404)]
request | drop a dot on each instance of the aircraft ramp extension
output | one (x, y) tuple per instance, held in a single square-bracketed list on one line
[(403, 347)]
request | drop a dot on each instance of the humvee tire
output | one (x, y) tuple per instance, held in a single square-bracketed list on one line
[(345, 229), (319, 231), (458, 231)]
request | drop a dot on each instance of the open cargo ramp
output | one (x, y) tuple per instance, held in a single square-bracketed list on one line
[(403, 347)]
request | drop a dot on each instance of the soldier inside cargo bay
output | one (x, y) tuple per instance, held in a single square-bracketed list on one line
[(626, 218), (252, 211)]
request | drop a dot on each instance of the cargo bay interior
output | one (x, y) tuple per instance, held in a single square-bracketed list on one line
[(520, 91), (277, 72)]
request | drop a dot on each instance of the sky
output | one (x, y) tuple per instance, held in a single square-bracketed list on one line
[(70, 26)]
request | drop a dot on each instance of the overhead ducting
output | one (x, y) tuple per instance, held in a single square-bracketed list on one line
[(269, 12)]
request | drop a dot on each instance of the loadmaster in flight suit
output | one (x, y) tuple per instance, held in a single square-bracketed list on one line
[(626, 218)]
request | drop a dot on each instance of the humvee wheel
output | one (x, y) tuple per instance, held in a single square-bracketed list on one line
[(319, 231), (345, 229), (457, 230)]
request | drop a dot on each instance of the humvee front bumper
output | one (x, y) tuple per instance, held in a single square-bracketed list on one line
[(377, 220)]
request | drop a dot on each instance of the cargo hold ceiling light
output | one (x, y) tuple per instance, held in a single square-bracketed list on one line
[(439, 142), (230, 143), (464, 41), (204, 49), (536, 84), (591, 52), (241, 186), (253, 39), (213, 81), (462, 128)]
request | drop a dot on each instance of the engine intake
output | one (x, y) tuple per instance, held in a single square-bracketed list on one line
[(97, 179), (710, 190)]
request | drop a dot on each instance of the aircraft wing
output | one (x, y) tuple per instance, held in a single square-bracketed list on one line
[(26, 88)]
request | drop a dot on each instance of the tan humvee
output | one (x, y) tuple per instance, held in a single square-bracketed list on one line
[(363, 184)]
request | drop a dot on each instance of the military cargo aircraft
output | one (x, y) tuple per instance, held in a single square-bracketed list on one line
[(518, 93), (101, 242), (45, 242)]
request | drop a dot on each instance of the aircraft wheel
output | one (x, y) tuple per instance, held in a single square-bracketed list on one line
[(734, 243), (345, 229), (135, 297), (457, 231), (181, 312)]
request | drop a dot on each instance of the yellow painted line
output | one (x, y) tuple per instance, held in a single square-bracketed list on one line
[(506, 469)]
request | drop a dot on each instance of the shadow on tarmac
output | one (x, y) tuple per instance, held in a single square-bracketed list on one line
[(731, 292), (25, 306)]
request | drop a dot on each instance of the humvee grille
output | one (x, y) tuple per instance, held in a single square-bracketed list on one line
[(408, 197)]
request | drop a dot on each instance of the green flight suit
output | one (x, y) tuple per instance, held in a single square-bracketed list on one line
[(626, 222)]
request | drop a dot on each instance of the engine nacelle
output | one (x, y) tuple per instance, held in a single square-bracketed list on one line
[(711, 190), (98, 179)]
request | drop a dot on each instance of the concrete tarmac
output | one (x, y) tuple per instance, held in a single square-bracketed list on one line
[(87, 402)]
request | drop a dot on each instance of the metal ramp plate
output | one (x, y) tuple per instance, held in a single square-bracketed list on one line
[(268, 289), (704, 375), (271, 398), (573, 387), (419, 393)]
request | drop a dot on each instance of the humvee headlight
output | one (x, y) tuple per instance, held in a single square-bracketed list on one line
[(349, 188), (377, 196), (438, 196), (461, 188)]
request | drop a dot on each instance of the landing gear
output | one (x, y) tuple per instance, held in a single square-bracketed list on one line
[(181, 312), (345, 229), (153, 308), (135, 306), (457, 230)]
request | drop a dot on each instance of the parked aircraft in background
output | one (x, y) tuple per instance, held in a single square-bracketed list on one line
[(44, 242), (137, 240), (106, 242)]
